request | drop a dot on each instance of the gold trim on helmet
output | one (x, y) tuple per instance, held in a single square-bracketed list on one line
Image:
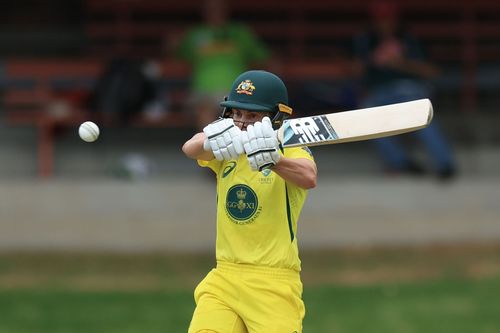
[(284, 108)]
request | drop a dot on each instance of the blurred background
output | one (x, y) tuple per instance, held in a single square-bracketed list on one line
[(113, 236)]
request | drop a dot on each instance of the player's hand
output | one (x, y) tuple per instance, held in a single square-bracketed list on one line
[(261, 145), (223, 139)]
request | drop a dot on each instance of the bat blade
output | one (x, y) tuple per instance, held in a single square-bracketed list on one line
[(356, 125)]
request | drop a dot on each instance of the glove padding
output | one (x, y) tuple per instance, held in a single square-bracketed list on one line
[(223, 139), (261, 145)]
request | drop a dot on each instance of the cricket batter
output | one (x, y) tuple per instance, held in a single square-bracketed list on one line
[(261, 189)]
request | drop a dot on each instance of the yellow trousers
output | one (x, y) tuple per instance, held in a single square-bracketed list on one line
[(238, 298)]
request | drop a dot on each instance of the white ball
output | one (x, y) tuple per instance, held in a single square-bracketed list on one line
[(88, 131)]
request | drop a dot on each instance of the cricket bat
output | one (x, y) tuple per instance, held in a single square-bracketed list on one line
[(356, 125)]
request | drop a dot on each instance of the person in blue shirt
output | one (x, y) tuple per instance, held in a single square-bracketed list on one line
[(394, 69)]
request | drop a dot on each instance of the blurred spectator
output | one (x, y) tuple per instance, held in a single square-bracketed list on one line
[(126, 88), (218, 52), (395, 70), (2, 85)]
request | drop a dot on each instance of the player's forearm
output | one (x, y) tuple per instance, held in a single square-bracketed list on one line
[(193, 148), (299, 171)]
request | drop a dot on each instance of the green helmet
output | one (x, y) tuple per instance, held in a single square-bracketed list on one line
[(258, 91)]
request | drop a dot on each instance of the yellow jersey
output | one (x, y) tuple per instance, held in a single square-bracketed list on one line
[(257, 213)]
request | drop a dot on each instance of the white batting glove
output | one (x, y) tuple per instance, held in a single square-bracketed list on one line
[(261, 145), (223, 139)]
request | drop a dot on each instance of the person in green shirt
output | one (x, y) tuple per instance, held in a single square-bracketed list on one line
[(218, 52)]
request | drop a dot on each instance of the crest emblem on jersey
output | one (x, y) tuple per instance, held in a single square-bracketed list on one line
[(241, 203), (245, 87)]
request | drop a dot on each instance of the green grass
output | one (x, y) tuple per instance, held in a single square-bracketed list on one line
[(77, 311), (437, 306), (369, 290)]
